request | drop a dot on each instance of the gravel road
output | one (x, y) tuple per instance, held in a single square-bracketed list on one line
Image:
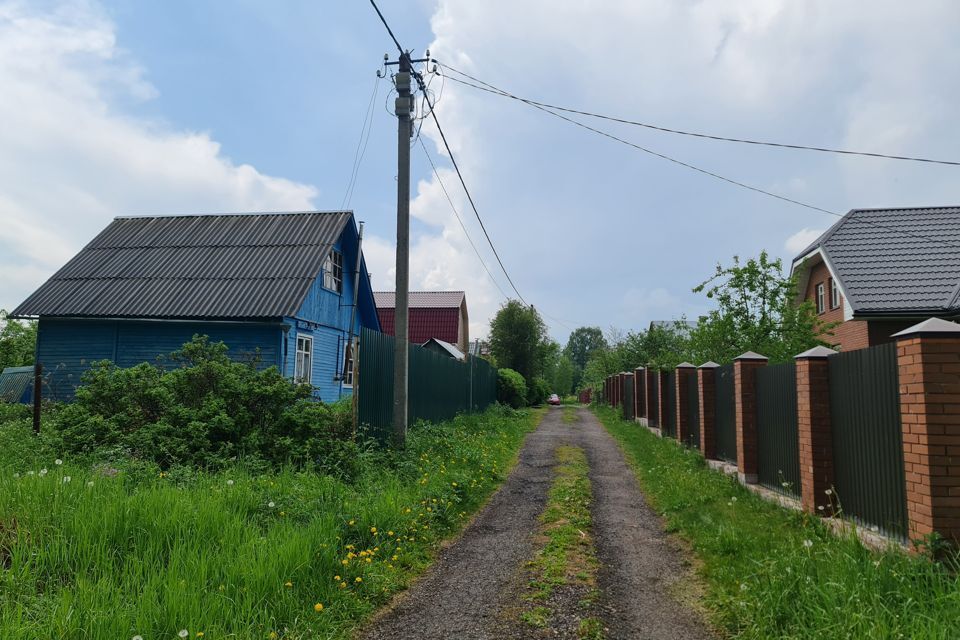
[(463, 596)]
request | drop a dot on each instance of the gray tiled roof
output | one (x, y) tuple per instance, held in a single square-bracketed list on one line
[(207, 266), (896, 260), (421, 299)]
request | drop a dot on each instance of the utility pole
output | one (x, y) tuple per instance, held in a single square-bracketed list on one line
[(403, 107)]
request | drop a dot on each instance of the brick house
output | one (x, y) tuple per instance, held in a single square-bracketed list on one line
[(879, 271), (433, 314)]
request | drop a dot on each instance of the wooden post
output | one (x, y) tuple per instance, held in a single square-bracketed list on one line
[(37, 393)]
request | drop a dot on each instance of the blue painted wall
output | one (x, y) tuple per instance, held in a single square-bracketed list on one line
[(67, 347)]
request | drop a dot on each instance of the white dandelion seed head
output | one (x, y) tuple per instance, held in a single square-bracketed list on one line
[(829, 492), (29, 473), (808, 543), (43, 472), (733, 499), (137, 638), (743, 586), (271, 504), (183, 633), (229, 482), (67, 479), (58, 462), (89, 483), (820, 507), (16, 475)]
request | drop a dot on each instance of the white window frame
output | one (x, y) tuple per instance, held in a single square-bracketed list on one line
[(834, 294), (333, 271), (348, 355), (821, 298), (303, 364)]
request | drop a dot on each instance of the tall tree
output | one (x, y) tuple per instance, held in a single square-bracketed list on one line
[(517, 339), (18, 340), (582, 343), (562, 380)]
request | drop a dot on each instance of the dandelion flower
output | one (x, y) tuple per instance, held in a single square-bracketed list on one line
[(288, 584), (67, 479), (58, 462), (336, 578), (350, 523), (137, 638), (318, 607), (89, 483), (43, 472), (829, 492), (183, 633), (199, 634), (820, 507), (733, 499), (808, 543), (743, 586), (273, 635), (16, 475), (390, 533), (373, 529), (343, 585), (271, 504), (230, 482), (358, 579)]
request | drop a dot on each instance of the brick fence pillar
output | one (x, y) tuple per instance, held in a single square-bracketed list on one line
[(648, 374), (681, 376), (928, 359), (814, 430), (707, 388), (661, 400), (638, 396), (744, 380)]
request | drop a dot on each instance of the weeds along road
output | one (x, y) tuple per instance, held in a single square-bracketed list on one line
[(479, 588)]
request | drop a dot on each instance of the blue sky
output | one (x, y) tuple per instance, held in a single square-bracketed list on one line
[(122, 107)]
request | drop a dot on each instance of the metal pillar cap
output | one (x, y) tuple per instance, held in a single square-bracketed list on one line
[(930, 325), (685, 365), (816, 352), (751, 355), (709, 364)]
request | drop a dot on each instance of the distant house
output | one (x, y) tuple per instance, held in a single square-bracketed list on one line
[(879, 271), (276, 286), (433, 314), (444, 348)]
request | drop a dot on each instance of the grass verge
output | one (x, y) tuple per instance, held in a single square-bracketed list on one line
[(126, 550), (774, 573), (566, 561)]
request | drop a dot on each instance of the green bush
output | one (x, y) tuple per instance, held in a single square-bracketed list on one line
[(203, 411), (538, 391), (511, 388)]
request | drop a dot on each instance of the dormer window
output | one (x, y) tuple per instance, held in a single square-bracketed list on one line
[(333, 271)]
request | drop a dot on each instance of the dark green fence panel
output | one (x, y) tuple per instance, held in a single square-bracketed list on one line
[(725, 415), (867, 440), (628, 406), (693, 409), (669, 426), (778, 449), (439, 386), (653, 410), (639, 389)]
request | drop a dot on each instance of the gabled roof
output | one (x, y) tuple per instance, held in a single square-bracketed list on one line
[(446, 346), (891, 261), (200, 267), (422, 299)]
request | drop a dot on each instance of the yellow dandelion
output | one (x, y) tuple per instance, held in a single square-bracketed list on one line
[(343, 585), (318, 607), (351, 523), (288, 584), (390, 533), (336, 578), (373, 529), (358, 579)]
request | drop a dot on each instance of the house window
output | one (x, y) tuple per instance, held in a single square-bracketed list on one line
[(348, 365), (333, 271), (303, 370), (834, 294), (821, 303)]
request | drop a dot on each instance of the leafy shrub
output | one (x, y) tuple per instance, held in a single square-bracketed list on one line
[(511, 388), (538, 391), (203, 411)]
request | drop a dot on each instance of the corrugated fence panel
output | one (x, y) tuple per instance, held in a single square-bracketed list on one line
[(867, 440), (725, 415), (778, 449), (439, 387), (653, 410), (693, 409), (669, 428), (628, 405)]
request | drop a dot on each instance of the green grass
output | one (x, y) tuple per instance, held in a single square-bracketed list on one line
[(570, 415), (113, 552), (773, 573)]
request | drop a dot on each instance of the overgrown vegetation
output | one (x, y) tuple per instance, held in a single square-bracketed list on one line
[(511, 388), (110, 544), (18, 341), (773, 573)]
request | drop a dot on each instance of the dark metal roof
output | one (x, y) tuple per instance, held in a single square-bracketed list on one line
[(421, 299), (891, 261), (204, 267), (14, 382)]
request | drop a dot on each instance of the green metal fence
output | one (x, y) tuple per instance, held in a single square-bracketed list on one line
[(628, 400), (654, 394), (693, 409), (669, 426), (778, 449), (867, 441), (725, 425), (439, 386)]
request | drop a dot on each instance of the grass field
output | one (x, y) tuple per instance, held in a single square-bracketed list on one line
[(773, 573), (117, 551)]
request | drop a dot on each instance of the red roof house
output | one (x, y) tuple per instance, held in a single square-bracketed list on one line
[(433, 314)]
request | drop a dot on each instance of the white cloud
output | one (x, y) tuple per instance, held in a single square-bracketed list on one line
[(801, 240), (70, 160)]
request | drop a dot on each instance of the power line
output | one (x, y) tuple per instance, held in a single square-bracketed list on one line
[(460, 220), (362, 142), (707, 136), (389, 30), (662, 156)]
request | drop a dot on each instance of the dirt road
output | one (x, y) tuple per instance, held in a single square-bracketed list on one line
[(478, 578)]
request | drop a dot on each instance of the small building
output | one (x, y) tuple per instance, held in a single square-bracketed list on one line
[(879, 271), (433, 314), (277, 287), (444, 348)]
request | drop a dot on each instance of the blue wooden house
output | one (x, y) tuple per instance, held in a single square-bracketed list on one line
[(275, 286)]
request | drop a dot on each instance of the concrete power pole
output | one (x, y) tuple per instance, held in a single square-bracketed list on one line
[(403, 107)]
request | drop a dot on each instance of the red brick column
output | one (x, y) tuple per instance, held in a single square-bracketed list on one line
[(814, 430), (707, 388), (662, 399), (683, 372), (638, 395), (744, 380), (928, 358), (648, 374)]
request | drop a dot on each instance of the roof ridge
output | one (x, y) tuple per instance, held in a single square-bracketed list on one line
[(148, 216)]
